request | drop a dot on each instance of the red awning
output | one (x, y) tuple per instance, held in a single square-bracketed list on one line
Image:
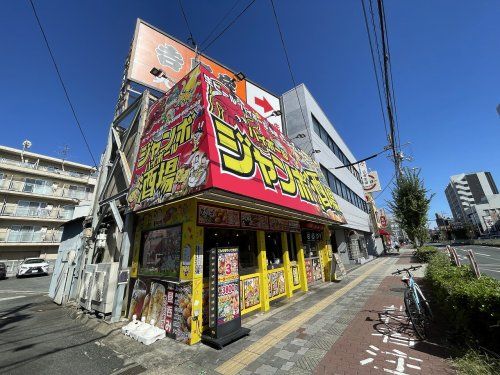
[(383, 232)]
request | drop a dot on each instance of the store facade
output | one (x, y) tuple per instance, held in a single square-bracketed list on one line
[(230, 216)]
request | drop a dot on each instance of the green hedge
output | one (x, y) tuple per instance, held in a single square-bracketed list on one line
[(470, 306), (424, 253)]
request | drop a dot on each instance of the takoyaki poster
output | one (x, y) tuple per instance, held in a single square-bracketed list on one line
[(228, 285)]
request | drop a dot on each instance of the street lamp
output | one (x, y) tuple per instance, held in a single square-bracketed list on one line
[(275, 113), (26, 145)]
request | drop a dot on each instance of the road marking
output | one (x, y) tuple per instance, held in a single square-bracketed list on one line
[(8, 298), (248, 355), (483, 254), (20, 291)]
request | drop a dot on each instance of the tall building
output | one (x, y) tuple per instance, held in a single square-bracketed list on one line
[(471, 197), (320, 138), (38, 194)]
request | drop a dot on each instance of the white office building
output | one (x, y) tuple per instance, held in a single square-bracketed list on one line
[(318, 137)]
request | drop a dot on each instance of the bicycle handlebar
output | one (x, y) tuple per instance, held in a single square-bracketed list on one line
[(412, 268)]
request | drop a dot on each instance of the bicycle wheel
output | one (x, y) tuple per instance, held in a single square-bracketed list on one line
[(417, 319)]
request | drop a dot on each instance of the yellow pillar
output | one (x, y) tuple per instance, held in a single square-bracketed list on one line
[(262, 262), (325, 253), (301, 262), (192, 270), (286, 264)]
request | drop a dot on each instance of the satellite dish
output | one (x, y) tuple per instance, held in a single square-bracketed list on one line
[(27, 144)]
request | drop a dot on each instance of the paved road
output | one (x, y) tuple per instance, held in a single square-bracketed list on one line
[(488, 258), (37, 336)]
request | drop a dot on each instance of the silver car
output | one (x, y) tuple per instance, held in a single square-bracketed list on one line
[(33, 266)]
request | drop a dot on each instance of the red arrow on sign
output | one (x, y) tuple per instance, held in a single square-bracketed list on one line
[(264, 104)]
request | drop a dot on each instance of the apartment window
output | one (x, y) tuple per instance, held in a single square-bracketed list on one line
[(79, 192), (316, 125), (326, 174), (34, 209), (36, 186), (25, 233)]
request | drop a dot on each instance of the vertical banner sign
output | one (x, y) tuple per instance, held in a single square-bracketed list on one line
[(225, 309)]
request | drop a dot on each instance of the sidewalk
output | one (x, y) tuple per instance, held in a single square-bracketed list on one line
[(326, 331)]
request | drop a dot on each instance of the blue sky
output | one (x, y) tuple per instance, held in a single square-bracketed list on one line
[(445, 61)]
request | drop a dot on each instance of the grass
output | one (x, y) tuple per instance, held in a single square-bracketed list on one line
[(472, 362)]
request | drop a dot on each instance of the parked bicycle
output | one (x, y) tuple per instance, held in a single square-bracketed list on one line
[(417, 306)]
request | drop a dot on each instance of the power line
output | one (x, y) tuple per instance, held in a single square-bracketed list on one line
[(219, 23), (374, 65), (386, 186), (228, 26), (191, 38), (362, 160), (306, 124), (62, 82)]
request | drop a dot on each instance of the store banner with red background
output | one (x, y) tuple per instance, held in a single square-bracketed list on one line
[(200, 135)]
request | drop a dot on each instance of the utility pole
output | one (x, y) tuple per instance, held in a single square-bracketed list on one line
[(392, 136)]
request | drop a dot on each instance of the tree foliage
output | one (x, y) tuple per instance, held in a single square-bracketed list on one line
[(410, 205)]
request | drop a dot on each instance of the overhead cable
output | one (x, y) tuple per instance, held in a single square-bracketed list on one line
[(306, 124), (228, 26), (219, 23), (191, 37), (62, 83)]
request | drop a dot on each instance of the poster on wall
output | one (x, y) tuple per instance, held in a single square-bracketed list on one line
[(276, 283), (309, 271), (250, 292), (161, 252), (337, 268), (295, 275), (181, 324)]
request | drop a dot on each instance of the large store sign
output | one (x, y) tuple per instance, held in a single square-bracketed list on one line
[(200, 135), (265, 103), (153, 48), (370, 180)]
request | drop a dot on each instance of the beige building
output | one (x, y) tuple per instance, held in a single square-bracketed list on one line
[(38, 194)]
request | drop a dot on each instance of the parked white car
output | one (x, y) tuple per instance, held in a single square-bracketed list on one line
[(33, 266)]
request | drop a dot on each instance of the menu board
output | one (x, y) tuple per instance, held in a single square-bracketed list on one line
[(224, 292), (160, 252), (317, 269), (254, 221), (228, 304), (295, 275), (337, 267), (219, 216), (276, 283), (250, 289)]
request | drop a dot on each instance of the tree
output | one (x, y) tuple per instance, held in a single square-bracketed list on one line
[(410, 205)]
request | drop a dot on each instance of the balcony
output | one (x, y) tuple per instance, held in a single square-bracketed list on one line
[(23, 189), (27, 166), (30, 237), (13, 210)]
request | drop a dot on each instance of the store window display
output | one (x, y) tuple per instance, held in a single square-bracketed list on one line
[(274, 250)]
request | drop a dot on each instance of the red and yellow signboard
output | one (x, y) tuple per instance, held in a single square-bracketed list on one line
[(200, 135)]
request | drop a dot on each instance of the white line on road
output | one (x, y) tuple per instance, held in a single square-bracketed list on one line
[(20, 291), (488, 269), (486, 255), (8, 298)]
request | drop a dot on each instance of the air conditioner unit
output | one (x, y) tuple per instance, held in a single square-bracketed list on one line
[(104, 287), (87, 284)]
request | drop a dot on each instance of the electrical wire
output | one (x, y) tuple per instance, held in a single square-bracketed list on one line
[(362, 160), (306, 124), (374, 65), (62, 83), (386, 186), (219, 23), (228, 26), (191, 38)]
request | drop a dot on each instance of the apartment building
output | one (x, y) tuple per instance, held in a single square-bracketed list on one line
[(319, 137), (466, 191), (38, 194)]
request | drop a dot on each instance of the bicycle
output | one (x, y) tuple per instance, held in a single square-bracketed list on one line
[(417, 306)]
